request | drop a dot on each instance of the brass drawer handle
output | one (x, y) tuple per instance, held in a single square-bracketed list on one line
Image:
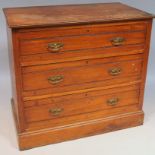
[(113, 101), (117, 41), (56, 111), (55, 47), (115, 71), (55, 79)]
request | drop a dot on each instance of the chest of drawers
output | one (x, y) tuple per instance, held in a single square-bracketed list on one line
[(77, 70)]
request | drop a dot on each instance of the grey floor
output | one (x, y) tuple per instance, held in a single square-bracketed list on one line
[(134, 141)]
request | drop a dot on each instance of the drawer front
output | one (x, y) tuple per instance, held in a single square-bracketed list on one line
[(75, 104), (66, 43), (65, 121), (59, 40), (79, 73)]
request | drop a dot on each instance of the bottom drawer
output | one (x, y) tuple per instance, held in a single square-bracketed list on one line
[(76, 104), (83, 118)]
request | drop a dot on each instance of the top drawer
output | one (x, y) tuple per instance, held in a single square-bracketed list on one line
[(65, 39)]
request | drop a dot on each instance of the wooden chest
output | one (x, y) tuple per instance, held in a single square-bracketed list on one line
[(77, 70)]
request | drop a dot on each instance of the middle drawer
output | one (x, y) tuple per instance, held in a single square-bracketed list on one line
[(80, 72)]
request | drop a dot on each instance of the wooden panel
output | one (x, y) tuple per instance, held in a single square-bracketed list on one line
[(57, 122), (81, 103), (72, 14), (49, 92), (46, 56), (35, 46), (145, 63), (16, 77), (102, 125), (80, 75), (57, 31)]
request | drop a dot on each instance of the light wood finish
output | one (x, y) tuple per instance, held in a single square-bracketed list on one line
[(88, 73), (78, 104), (77, 70), (88, 41), (72, 14), (40, 54)]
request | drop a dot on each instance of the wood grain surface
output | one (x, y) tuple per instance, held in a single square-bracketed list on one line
[(94, 83), (80, 75), (72, 14)]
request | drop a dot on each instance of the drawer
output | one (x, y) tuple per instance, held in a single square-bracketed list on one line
[(52, 108), (75, 119), (61, 40), (80, 72), (62, 44)]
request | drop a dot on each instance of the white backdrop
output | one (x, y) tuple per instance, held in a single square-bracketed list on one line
[(139, 140)]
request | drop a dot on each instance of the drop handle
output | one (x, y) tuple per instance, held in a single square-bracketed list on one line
[(117, 41), (55, 47), (55, 111), (55, 79), (115, 71), (112, 101)]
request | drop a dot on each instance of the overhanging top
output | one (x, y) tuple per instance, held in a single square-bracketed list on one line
[(71, 14)]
